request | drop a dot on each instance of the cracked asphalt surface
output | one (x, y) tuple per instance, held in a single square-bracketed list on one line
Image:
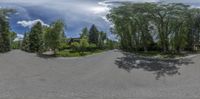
[(100, 76)]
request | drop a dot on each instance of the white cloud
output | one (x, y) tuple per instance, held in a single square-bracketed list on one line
[(19, 37), (99, 9), (29, 24)]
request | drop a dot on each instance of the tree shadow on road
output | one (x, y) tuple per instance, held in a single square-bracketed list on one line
[(46, 56), (160, 67)]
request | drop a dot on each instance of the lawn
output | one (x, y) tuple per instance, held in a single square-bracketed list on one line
[(72, 53)]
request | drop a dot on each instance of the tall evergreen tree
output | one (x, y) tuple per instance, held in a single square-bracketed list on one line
[(5, 40), (25, 43), (13, 35), (85, 33), (36, 38), (93, 35)]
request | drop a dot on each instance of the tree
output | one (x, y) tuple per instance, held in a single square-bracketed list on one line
[(179, 28), (102, 39), (172, 27), (5, 39), (5, 34), (111, 44), (84, 44), (54, 35), (85, 33), (13, 35), (75, 46), (25, 43), (192, 20), (93, 35), (16, 44), (131, 24), (36, 38)]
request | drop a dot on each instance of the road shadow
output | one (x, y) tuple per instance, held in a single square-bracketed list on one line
[(46, 56), (159, 67)]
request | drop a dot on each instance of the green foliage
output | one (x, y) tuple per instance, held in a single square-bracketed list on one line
[(13, 35), (85, 33), (75, 46), (97, 37), (5, 35), (16, 45), (25, 43), (94, 35), (92, 47), (41, 38), (54, 36), (171, 27), (102, 40), (111, 44), (36, 38), (69, 53), (63, 46), (84, 44)]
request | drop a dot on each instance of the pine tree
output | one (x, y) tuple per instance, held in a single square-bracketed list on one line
[(5, 40), (36, 38), (25, 43), (93, 35), (85, 33)]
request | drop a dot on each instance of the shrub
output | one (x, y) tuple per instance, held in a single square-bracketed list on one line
[(75, 46), (84, 44), (63, 46), (92, 47)]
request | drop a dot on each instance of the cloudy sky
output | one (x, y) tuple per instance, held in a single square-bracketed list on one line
[(75, 13)]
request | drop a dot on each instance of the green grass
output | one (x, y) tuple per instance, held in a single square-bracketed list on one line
[(71, 53)]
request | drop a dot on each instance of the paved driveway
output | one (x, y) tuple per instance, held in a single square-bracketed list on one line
[(108, 75)]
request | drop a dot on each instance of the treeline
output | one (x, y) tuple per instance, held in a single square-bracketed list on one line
[(42, 38), (161, 27)]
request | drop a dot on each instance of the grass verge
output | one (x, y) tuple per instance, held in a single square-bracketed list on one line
[(71, 53)]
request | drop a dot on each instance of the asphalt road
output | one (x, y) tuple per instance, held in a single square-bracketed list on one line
[(108, 75)]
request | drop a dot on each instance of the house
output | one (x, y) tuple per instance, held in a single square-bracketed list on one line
[(71, 40)]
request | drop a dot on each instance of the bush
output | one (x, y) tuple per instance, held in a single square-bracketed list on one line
[(92, 47), (84, 44), (75, 46), (71, 53), (63, 46)]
